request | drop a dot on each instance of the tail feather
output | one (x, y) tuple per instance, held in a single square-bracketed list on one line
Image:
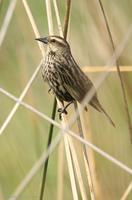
[(99, 107), (108, 117)]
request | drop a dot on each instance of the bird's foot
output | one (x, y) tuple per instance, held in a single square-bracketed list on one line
[(62, 111)]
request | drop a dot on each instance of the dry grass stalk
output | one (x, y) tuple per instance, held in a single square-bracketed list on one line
[(70, 168), (87, 157), (60, 171), (33, 24), (73, 134), (97, 69), (7, 20), (77, 169), (91, 169), (21, 97), (118, 71), (127, 192), (28, 85)]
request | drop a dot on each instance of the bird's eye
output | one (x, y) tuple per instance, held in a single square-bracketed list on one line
[(53, 40)]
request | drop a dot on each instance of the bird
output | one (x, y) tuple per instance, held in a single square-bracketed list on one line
[(65, 78)]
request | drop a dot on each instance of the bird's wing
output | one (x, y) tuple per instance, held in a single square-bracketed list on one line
[(68, 82), (74, 80)]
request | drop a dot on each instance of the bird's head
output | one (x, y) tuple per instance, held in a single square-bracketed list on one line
[(54, 43)]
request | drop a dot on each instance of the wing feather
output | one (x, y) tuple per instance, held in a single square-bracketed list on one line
[(73, 79)]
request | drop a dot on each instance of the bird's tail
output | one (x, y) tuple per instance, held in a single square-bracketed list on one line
[(99, 107)]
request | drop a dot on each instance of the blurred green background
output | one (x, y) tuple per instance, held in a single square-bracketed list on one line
[(25, 138)]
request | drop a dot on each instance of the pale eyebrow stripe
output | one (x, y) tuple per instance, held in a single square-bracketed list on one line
[(59, 40)]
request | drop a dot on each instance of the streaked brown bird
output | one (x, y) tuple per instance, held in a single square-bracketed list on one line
[(67, 81)]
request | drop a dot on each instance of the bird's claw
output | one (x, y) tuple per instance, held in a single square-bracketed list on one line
[(62, 111)]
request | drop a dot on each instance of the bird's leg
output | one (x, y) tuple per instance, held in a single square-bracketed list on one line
[(63, 110)]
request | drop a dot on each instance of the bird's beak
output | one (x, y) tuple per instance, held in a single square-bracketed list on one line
[(44, 40)]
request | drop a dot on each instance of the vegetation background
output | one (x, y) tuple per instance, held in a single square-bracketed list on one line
[(25, 138)]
